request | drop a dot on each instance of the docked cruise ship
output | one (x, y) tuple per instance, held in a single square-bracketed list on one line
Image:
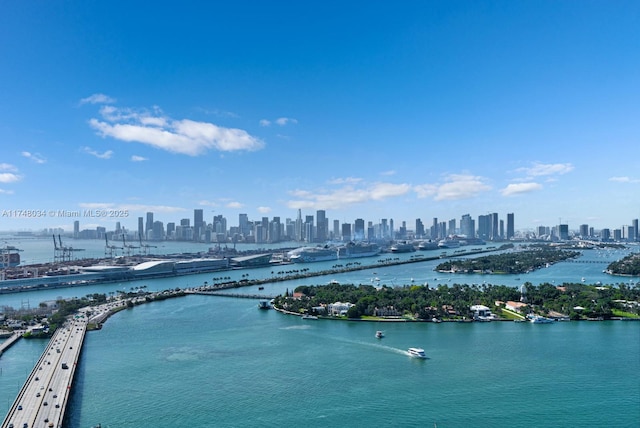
[(449, 243), (312, 254), (361, 249), (403, 247)]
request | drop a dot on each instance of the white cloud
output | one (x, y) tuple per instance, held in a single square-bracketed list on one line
[(9, 177), (131, 207), (454, 187), (539, 169), (264, 210), (206, 203), (234, 205), (346, 195), (282, 121), (97, 99), (6, 192), (136, 158), (425, 190), (624, 180), (8, 167), (177, 136), (104, 155), (37, 158), (520, 188), (388, 173), (345, 180)]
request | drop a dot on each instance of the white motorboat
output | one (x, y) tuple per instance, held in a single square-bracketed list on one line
[(379, 334), (416, 352)]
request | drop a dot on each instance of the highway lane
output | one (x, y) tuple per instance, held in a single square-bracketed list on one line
[(43, 398)]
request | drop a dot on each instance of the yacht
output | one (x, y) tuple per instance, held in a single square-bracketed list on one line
[(416, 352), (538, 319), (309, 317), (379, 334)]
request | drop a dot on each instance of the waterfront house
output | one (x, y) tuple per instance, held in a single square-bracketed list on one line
[(339, 308), (481, 312), (514, 306)]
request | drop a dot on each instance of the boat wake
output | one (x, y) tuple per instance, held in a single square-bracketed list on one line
[(296, 327)]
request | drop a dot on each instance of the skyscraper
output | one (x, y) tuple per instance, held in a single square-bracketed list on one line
[(322, 226), (149, 224), (358, 233), (511, 230), (467, 226), (140, 228), (198, 223)]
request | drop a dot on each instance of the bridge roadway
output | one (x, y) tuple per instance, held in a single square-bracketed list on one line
[(44, 396)]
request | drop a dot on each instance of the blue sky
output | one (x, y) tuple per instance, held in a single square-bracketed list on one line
[(371, 110)]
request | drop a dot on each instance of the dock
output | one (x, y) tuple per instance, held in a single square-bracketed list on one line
[(43, 398), (10, 341)]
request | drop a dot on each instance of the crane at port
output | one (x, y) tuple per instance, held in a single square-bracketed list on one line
[(61, 252), (110, 249), (145, 247), (127, 247)]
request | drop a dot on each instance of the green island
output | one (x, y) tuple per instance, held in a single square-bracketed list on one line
[(510, 262), (628, 266), (451, 303)]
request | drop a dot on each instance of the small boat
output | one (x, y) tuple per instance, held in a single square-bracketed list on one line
[(379, 334), (309, 317), (260, 288), (263, 304), (416, 352)]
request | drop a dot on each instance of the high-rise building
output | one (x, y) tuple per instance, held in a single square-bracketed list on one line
[(322, 226), (76, 229), (584, 230), (198, 224), (149, 224), (299, 229), (346, 232), (467, 226), (358, 230), (384, 229), (243, 224), (495, 227), (484, 227), (140, 228), (563, 232), (419, 228), (157, 230), (275, 230), (511, 228)]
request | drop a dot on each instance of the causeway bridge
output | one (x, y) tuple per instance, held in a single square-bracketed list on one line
[(43, 398), (237, 295)]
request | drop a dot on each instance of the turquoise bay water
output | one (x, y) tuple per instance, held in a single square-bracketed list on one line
[(221, 362), (206, 361)]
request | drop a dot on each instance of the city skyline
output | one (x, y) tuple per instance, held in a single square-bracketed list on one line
[(420, 110), (319, 227)]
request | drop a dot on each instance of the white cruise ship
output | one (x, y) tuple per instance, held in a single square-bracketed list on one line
[(354, 250), (312, 254)]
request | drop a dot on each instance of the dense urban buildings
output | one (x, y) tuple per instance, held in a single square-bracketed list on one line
[(315, 229)]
